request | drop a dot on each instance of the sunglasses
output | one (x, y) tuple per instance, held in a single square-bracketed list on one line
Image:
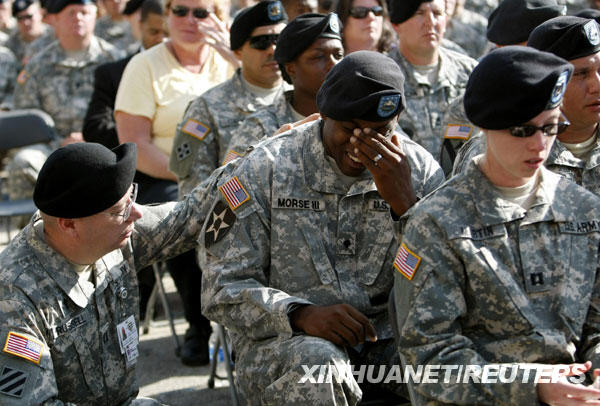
[(24, 17), (361, 12), (527, 130), (182, 11), (262, 42)]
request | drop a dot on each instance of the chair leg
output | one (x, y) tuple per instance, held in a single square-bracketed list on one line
[(213, 362), (150, 309), (227, 357), (163, 299)]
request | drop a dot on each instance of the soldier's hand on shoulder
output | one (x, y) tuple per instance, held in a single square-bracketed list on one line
[(383, 157), (341, 324)]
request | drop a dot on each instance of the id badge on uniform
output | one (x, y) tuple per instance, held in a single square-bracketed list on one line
[(128, 340)]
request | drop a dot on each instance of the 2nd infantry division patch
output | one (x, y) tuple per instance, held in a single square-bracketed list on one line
[(221, 220), (12, 382), (407, 262), (23, 346)]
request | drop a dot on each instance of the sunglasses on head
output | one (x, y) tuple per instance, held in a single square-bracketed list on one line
[(527, 130), (361, 12), (262, 42), (182, 11)]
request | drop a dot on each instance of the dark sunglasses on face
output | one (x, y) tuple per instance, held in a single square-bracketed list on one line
[(527, 130), (182, 11), (24, 17), (262, 42), (361, 12)]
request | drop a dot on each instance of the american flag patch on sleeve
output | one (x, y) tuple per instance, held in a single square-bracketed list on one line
[(406, 262), (458, 132), (231, 155), (24, 347), (234, 193), (195, 129)]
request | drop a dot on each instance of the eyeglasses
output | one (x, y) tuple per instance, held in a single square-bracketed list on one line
[(127, 212), (527, 130), (182, 11), (361, 12), (24, 17), (262, 42)]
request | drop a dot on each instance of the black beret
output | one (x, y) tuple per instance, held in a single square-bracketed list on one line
[(513, 20), (56, 6), (402, 10), (83, 179), (364, 85), (301, 33), (263, 13), (20, 5), (589, 13), (132, 6), (569, 37), (513, 84)]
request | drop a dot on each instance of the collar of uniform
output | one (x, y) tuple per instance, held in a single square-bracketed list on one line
[(318, 173), (482, 192), (57, 267), (560, 155), (92, 53)]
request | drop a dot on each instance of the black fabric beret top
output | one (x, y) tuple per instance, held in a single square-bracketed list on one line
[(132, 6), (402, 10), (83, 179), (513, 84), (569, 37), (301, 33), (364, 85), (56, 6), (513, 20), (20, 5), (263, 13), (589, 13)]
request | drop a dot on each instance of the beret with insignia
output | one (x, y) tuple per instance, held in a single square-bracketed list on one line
[(132, 6), (301, 33), (364, 85), (261, 14), (513, 84), (20, 5), (83, 179), (56, 6), (569, 37), (402, 10), (513, 20)]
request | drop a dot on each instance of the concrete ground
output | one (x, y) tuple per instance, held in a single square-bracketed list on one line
[(160, 373)]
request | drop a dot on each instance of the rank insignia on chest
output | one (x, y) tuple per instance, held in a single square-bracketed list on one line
[(12, 382), (234, 193), (196, 129), (458, 132), (24, 346), (231, 155), (221, 220), (406, 262)]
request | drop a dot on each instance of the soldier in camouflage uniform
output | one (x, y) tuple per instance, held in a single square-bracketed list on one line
[(60, 85), (30, 27), (435, 76), (576, 153), (69, 331), (114, 28), (306, 50), (500, 264), (39, 44), (300, 240), (8, 77), (221, 109), (466, 28)]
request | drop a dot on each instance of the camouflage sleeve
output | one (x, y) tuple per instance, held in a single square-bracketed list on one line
[(26, 375), (429, 307), (195, 151), (470, 149), (235, 256), (8, 77), (590, 347), (27, 92)]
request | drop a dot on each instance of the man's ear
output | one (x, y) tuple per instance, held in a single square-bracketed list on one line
[(290, 68), (68, 226)]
